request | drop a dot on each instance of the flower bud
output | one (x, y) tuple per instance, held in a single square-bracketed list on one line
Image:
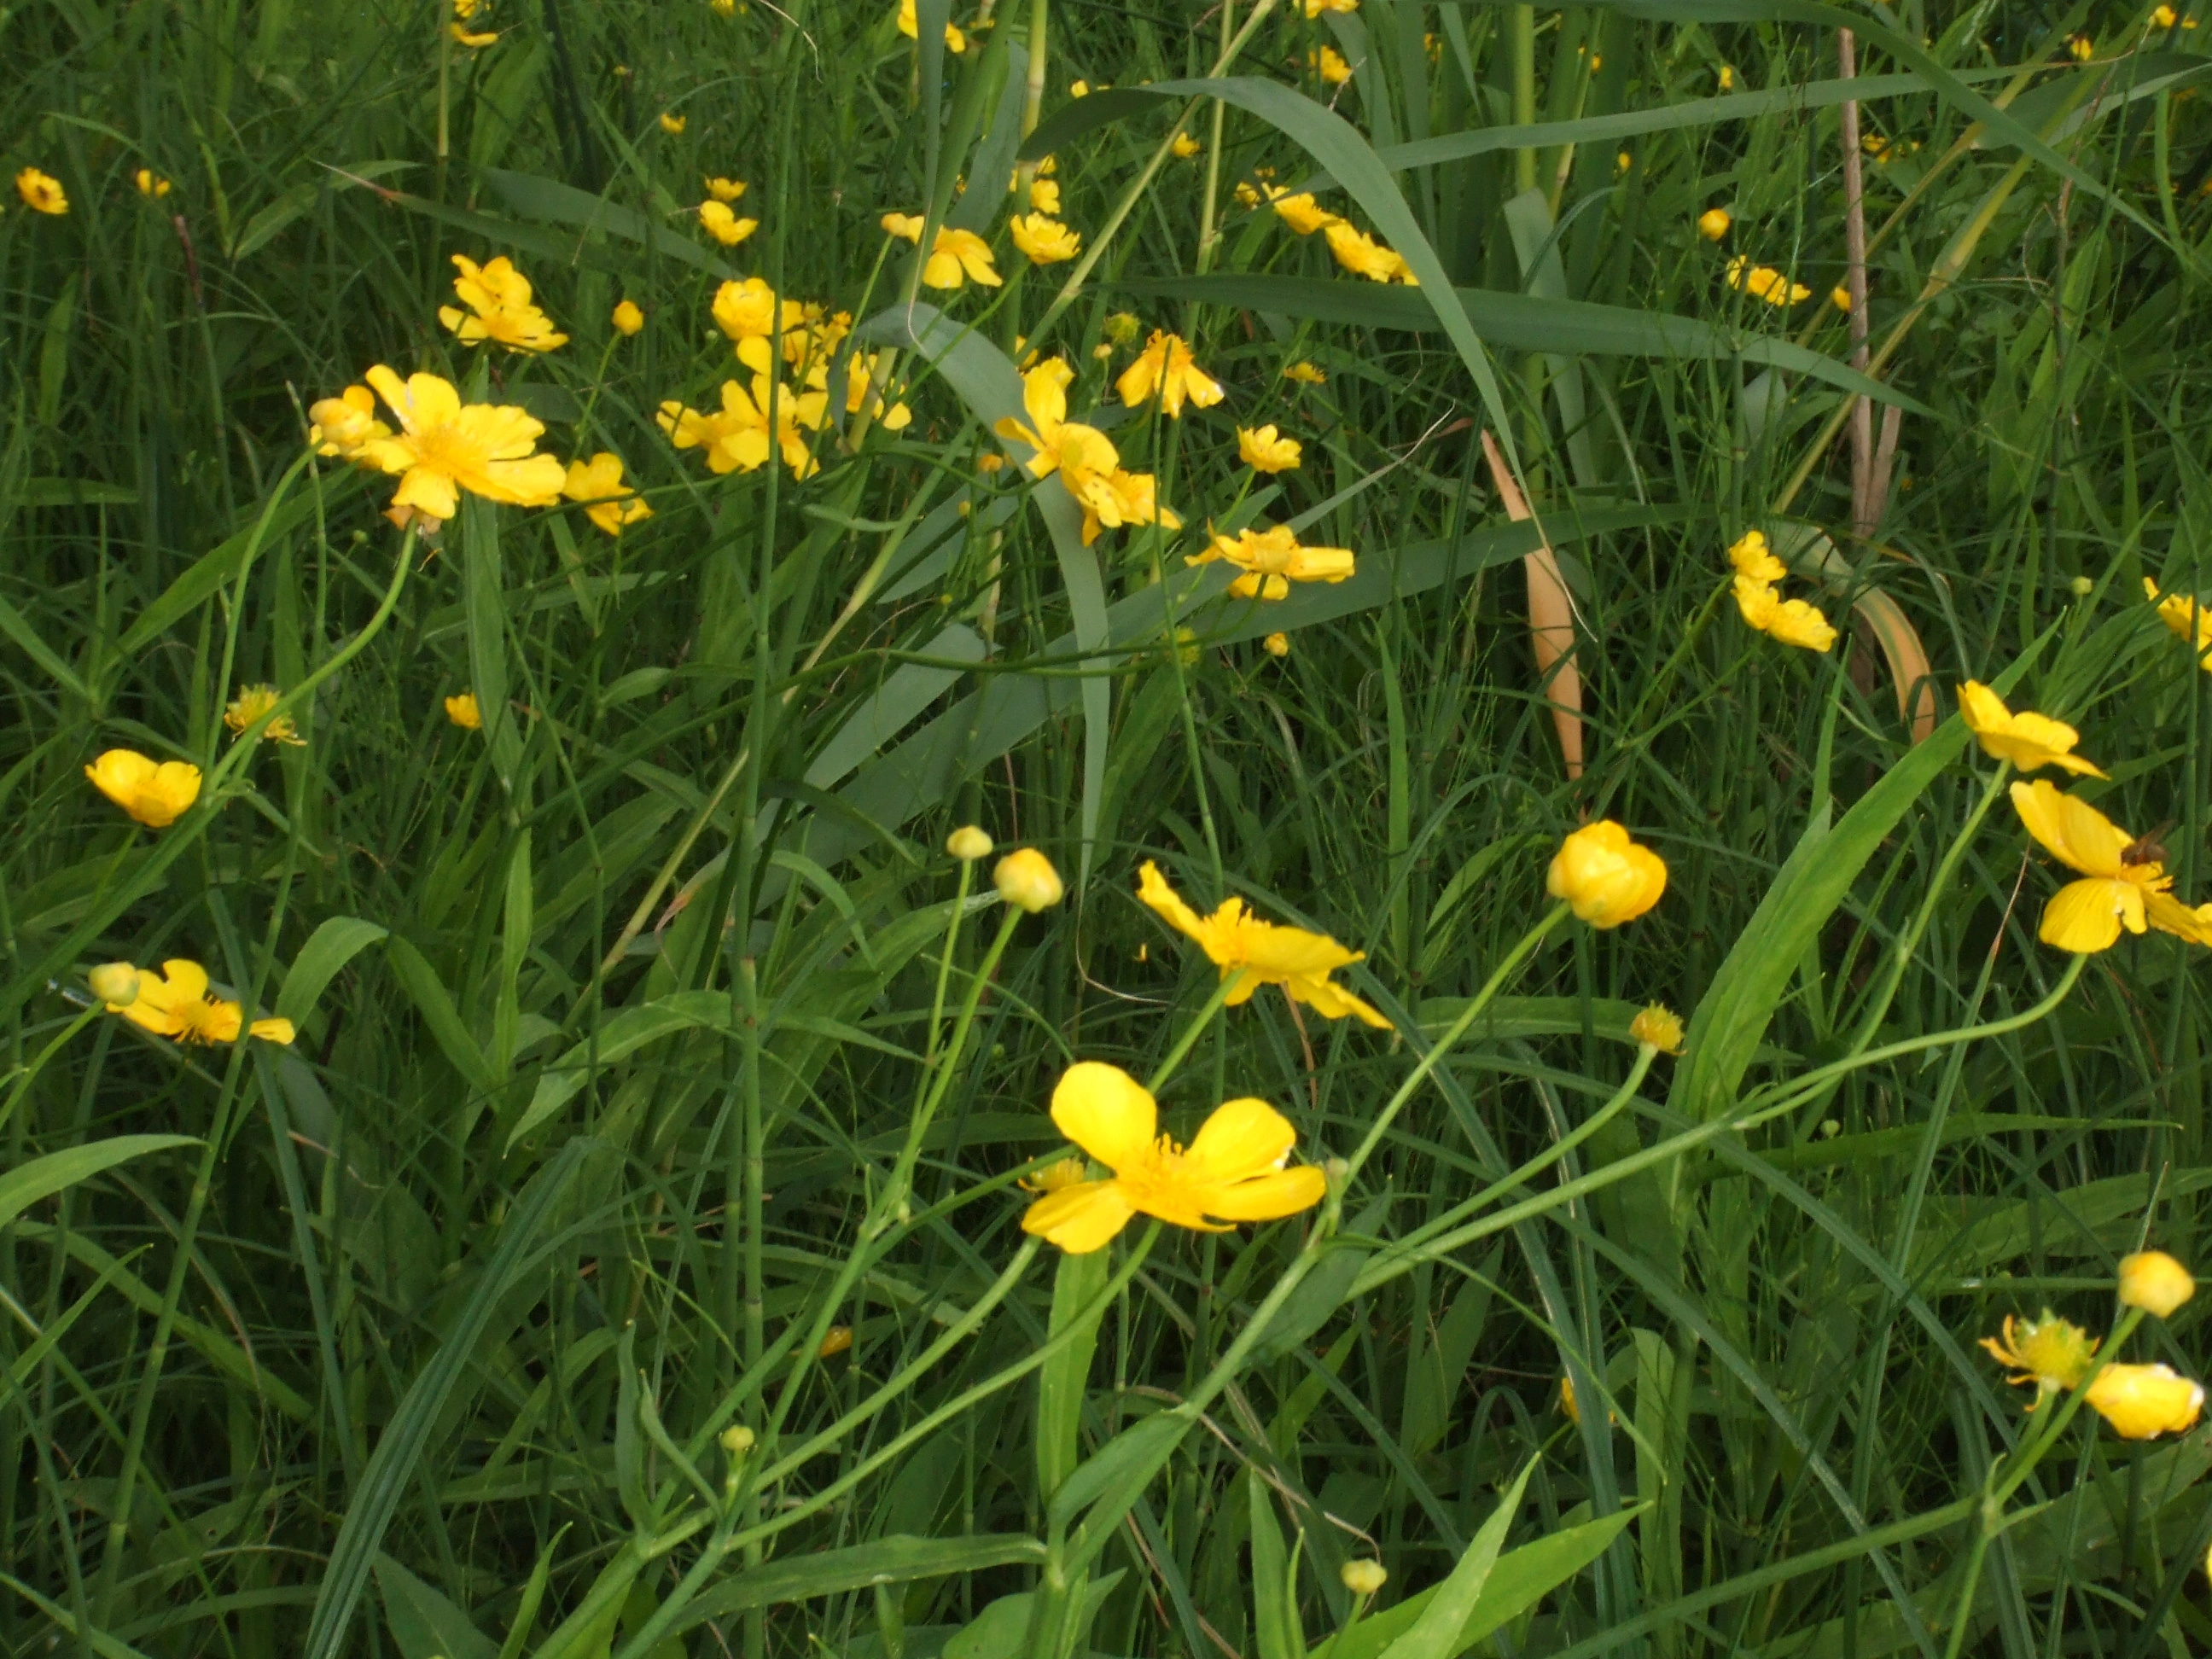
[(737, 1440), (1659, 1026), (2155, 1282), (2144, 1401), (1025, 877), (1278, 645), (115, 983), (2081, 587), (835, 1341), (1605, 876), (1364, 1577), (967, 843), (628, 318), (1713, 223)]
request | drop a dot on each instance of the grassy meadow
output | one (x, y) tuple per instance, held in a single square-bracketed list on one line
[(676, 673)]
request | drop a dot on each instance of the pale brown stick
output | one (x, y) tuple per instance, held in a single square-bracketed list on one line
[(1550, 621), (1866, 503)]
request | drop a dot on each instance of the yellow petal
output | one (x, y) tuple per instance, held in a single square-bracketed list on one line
[(1105, 1111), (1243, 1138), (2071, 830), (2085, 917), (1152, 888), (1273, 1195), (1081, 1218)]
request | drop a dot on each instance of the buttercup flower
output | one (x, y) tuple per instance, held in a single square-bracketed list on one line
[(2144, 1401), (1185, 146), (2165, 17), (444, 447), (672, 125), (2028, 741), (1277, 645), (155, 792), (2187, 618), (1044, 196), (1840, 297), (1238, 942), (1301, 212), (1569, 1405), (1793, 622), (628, 318), (1233, 1171), (1659, 1026), (1272, 559), (500, 307), (1360, 1577), (1362, 256), (954, 257), (2155, 1282), (41, 191), (1026, 880), (2124, 882), (115, 983), (1265, 451), (463, 712), (724, 226), (250, 703), (1752, 557), (598, 481), (1764, 283), (1329, 64), (861, 371), (1043, 241), (151, 184), (175, 1003), (909, 24), (1713, 223), (1606, 877), (2050, 1353), (1165, 366), (1305, 374), (343, 425), (968, 844), (726, 190), (737, 439), (1725, 78)]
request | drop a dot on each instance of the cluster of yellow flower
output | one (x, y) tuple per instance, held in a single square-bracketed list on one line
[(2140, 1402), (1088, 466), (718, 219), (1352, 249), (1793, 622)]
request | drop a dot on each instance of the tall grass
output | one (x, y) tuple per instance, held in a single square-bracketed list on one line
[(657, 1075)]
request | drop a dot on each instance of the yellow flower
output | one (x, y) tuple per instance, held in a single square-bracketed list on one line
[(1305, 374), (1659, 1026), (1568, 1403), (1362, 256), (1360, 1577), (1045, 241), (835, 1341), (861, 371), (1329, 64), (2155, 1282), (155, 793), (2125, 881), (115, 983), (1623, 161), (41, 191), (737, 440), (464, 9), (1044, 196), (968, 844), (672, 125), (1084, 457), (1314, 8), (724, 226), (151, 184), (1078, 88), (749, 314), (1185, 146), (343, 425), (2028, 741), (726, 190), (1606, 877), (953, 254), (909, 24), (2165, 17), (1262, 451), (1238, 941), (2187, 618), (628, 318), (598, 481), (175, 1003), (501, 308), (1233, 1171), (723, 8), (473, 42), (1272, 559), (444, 447), (1301, 212), (1026, 880), (2052, 1352), (2144, 1401), (1246, 196), (463, 712), (1754, 558), (1793, 622), (1764, 283), (1165, 366), (1713, 223), (1725, 78), (1840, 297), (1277, 645), (2081, 48), (250, 703)]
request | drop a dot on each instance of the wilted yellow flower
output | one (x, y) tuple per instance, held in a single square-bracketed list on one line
[(473, 42), (2187, 618), (2125, 881), (1793, 622), (41, 191), (1233, 1171), (1272, 559), (1185, 146), (175, 1003), (672, 125), (2144, 1401), (1305, 374), (463, 712), (1236, 941), (2052, 1352), (726, 190), (724, 226), (1713, 223), (1329, 64), (2155, 1282), (1606, 877), (1362, 256), (1659, 1026), (1277, 644), (835, 1341), (1165, 366), (599, 481), (500, 307), (967, 843), (343, 425), (909, 24), (1026, 880), (1301, 212), (1043, 241), (2028, 741), (151, 184), (444, 446), (628, 318), (250, 703), (737, 439), (1263, 451), (155, 792), (1764, 283), (1121, 327), (955, 256), (1360, 1577)]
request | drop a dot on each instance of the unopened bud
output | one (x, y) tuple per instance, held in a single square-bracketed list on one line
[(967, 843), (1025, 877), (2082, 586), (737, 1440), (1364, 1577), (115, 983)]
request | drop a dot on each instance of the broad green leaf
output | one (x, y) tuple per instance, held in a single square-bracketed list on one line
[(335, 942), (424, 1623), (1276, 1631), (42, 1177), (1064, 1382), (910, 688), (435, 1003), (1439, 1632), (1118, 1470)]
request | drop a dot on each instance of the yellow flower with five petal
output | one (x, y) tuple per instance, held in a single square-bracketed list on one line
[(2122, 885), (1263, 953), (1362, 256), (2144, 1401), (1233, 1169), (2028, 741), (2187, 618), (1045, 241), (724, 226), (609, 502), (1272, 559), (500, 307), (155, 792), (1301, 212), (175, 1003), (955, 256), (1166, 366), (726, 190), (909, 24), (1606, 877), (1264, 450), (444, 446), (41, 192), (1764, 283)]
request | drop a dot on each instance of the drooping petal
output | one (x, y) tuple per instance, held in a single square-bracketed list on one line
[(1271, 1197), (1152, 888), (1333, 1001), (1243, 1138), (2170, 916), (2086, 917), (1108, 1113), (2071, 830), (1080, 1218)]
